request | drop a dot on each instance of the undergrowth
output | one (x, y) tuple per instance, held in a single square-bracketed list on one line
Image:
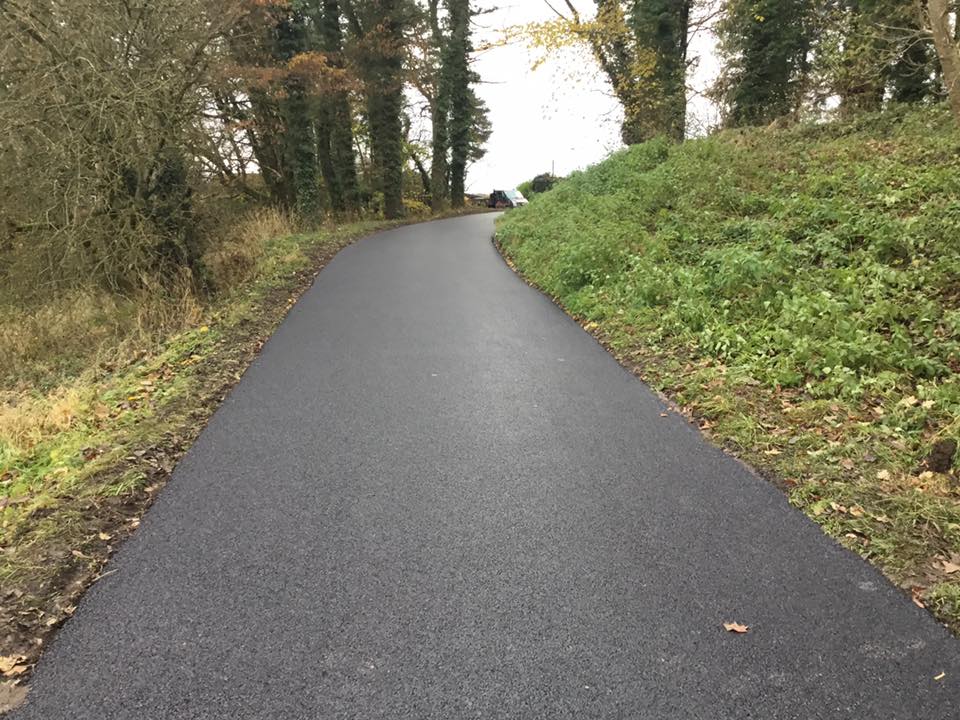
[(799, 292)]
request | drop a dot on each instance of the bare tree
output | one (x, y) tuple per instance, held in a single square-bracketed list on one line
[(99, 100)]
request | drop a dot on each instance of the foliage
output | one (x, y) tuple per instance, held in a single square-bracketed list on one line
[(378, 30), (102, 104), (540, 184), (641, 46), (459, 118), (798, 290), (766, 44)]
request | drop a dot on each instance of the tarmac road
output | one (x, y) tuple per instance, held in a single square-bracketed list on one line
[(434, 496)]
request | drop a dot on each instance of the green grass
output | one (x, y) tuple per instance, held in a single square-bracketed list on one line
[(799, 292)]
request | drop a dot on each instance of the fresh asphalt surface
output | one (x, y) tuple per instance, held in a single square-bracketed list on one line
[(434, 496)]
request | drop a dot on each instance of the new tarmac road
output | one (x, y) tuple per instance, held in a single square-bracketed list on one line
[(434, 496)]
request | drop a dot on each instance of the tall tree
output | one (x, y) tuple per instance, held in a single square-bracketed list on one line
[(293, 41), (379, 27), (662, 27), (641, 47), (458, 77), (439, 111), (335, 121), (766, 44)]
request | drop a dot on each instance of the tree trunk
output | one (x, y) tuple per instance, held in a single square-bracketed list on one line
[(948, 50), (439, 117), (458, 74), (340, 136)]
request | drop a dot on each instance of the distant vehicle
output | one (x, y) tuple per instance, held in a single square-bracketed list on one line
[(506, 199)]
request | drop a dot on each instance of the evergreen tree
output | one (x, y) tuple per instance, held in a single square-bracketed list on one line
[(458, 77), (335, 120), (767, 45), (379, 26), (662, 27), (440, 112), (301, 142)]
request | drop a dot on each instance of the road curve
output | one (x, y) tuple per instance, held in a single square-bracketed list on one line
[(434, 496)]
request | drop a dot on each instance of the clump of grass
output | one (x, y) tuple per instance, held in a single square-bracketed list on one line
[(798, 291), (234, 258)]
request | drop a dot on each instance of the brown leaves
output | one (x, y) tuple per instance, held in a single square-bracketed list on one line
[(736, 628), (916, 594), (13, 665)]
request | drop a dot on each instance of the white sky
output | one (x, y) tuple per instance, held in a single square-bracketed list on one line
[(560, 114)]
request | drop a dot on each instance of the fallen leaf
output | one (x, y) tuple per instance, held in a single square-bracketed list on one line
[(927, 404), (856, 511), (883, 475), (917, 596), (772, 451), (104, 536), (909, 401), (949, 568), (9, 662), (735, 627), (847, 464)]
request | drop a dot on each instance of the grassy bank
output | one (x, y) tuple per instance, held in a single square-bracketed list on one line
[(102, 394), (798, 293)]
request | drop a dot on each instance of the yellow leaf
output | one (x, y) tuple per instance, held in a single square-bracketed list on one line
[(105, 536), (9, 663), (736, 627)]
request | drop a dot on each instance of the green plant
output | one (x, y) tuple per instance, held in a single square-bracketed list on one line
[(798, 290)]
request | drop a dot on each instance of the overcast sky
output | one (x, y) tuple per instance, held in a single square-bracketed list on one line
[(561, 114)]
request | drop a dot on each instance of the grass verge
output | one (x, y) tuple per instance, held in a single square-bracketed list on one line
[(796, 293), (88, 437)]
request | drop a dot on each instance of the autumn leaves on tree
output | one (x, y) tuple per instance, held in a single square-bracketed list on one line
[(781, 59), (131, 122), (336, 73)]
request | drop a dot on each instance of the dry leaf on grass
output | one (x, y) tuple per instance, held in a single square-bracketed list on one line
[(12, 665), (917, 596), (736, 627)]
